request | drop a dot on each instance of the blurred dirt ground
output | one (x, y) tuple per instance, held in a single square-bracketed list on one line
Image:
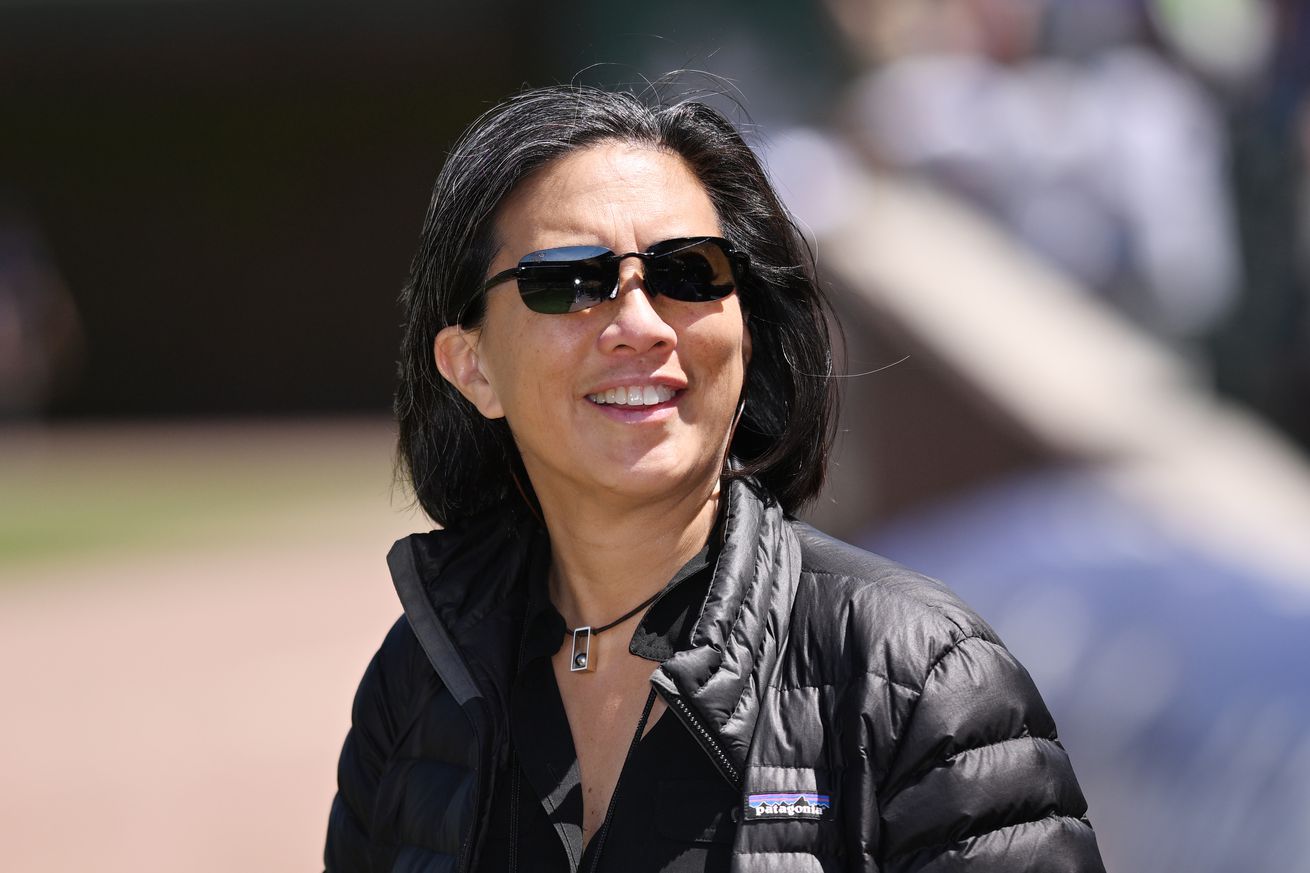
[(175, 695)]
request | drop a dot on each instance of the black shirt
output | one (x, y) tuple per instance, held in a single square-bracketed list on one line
[(673, 810)]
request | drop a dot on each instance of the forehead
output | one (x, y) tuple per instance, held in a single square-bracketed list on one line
[(614, 194)]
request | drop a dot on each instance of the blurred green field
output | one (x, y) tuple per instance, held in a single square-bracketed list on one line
[(73, 493)]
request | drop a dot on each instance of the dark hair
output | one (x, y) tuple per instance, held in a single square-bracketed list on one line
[(459, 462)]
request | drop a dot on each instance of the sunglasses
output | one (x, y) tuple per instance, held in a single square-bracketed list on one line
[(693, 269)]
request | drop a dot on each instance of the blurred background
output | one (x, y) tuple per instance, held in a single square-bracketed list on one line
[(1069, 245)]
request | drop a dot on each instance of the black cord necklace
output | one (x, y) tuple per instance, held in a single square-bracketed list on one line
[(580, 660)]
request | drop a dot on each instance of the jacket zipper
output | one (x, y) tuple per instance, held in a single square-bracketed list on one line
[(707, 741)]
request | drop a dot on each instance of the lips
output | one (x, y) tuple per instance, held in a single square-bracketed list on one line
[(633, 395)]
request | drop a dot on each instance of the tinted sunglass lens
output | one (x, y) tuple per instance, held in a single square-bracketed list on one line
[(572, 278), (690, 271), (562, 280)]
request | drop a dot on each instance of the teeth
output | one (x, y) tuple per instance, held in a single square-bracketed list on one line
[(633, 395)]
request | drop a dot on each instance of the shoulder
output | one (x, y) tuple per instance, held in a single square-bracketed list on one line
[(853, 593), (958, 744), (405, 751), (399, 654), (396, 678), (399, 688), (858, 616)]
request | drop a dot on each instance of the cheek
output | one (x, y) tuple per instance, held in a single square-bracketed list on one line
[(719, 367), (528, 363), (720, 344)]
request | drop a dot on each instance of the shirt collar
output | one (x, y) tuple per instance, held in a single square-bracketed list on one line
[(666, 626)]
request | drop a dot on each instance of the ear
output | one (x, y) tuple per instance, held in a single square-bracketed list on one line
[(456, 353)]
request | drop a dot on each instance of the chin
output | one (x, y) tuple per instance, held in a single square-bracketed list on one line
[(655, 474)]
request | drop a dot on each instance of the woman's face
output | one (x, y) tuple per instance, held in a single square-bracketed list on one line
[(547, 374)]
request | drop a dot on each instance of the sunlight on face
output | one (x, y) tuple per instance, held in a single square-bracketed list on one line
[(546, 372)]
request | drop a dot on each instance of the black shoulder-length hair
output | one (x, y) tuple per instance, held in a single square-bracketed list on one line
[(459, 462)]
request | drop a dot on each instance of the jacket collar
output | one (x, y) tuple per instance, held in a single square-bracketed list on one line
[(737, 640), (464, 592)]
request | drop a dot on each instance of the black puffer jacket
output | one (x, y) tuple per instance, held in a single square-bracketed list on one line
[(815, 669)]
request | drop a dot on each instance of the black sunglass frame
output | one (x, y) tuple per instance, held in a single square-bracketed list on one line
[(738, 262)]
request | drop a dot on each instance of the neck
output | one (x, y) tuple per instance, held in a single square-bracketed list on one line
[(609, 555)]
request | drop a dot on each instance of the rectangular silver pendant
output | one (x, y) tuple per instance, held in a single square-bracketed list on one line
[(580, 656)]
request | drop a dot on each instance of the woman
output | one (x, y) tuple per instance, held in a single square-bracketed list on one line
[(622, 652)]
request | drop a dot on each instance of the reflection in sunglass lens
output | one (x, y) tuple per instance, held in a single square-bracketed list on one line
[(693, 273), (556, 281), (571, 278)]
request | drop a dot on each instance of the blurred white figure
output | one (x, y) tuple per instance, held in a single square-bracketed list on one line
[(1112, 166)]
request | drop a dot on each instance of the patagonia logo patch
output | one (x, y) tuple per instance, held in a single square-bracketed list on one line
[(788, 804)]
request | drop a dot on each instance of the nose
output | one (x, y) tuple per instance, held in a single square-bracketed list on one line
[(637, 326)]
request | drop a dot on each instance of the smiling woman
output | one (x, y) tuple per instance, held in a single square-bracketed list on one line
[(623, 652), (544, 373)]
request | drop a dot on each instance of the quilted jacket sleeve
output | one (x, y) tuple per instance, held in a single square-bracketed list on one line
[(979, 781), (374, 726)]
